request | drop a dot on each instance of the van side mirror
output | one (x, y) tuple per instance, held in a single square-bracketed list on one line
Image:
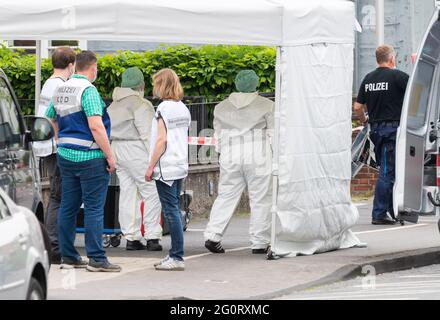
[(39, 129)]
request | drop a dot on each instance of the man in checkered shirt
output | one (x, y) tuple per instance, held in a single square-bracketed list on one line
[(85, 160)]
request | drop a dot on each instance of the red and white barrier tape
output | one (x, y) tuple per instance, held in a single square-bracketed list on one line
[(201, 141)]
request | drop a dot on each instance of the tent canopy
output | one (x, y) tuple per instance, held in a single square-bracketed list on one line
[(252, 22)]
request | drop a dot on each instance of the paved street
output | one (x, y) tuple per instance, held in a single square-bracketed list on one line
[(238, 273), (414, 284)]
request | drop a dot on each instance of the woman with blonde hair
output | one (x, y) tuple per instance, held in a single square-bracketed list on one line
[(168, 164)]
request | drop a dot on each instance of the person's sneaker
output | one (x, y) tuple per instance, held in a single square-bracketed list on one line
[(135, 245), (102, 266), (69, 263), (161, 261), (260, 250), (171, 265), (214, 247), (153, 245), (385, 221), (55, 258)]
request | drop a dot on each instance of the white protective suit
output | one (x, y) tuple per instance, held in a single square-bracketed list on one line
[(243, 125), (131, 116)]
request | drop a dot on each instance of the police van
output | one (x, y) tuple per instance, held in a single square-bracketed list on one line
[(416, 189)]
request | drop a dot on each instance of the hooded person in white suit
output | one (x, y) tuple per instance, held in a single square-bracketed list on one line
[(243, 125), (131, 116)]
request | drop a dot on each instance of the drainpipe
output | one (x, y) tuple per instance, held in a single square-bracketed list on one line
[(380, 21)]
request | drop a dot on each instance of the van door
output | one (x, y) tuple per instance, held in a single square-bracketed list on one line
[(417, 122)]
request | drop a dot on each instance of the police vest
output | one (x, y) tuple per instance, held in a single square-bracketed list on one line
[(173, 164), (74, 132)]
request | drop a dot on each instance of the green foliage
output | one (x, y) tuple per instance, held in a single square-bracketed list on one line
[(204, 71)]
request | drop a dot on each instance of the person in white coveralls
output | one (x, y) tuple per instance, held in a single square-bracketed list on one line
[(243, 125), (131, 117)]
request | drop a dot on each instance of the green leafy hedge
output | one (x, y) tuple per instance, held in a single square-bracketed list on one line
[(204, 71)]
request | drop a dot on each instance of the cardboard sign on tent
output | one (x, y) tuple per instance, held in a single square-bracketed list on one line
[(312, 207)]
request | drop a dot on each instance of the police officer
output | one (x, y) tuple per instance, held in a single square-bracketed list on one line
[(381, 93), (85, 159)]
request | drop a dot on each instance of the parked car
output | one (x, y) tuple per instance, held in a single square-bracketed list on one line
[(19, 174), (416, 190), (24, 256)]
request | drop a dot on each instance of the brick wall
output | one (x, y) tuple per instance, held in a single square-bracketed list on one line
[(364, 182)]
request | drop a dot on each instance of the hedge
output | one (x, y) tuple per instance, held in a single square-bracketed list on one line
[(204, 70)]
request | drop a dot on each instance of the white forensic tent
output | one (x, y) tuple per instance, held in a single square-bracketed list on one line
[(315, 42)]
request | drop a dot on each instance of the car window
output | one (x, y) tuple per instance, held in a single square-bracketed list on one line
[(9, 123), (4, 210), (420, 91)]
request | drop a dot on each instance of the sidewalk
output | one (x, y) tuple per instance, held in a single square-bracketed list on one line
[(240, 275)]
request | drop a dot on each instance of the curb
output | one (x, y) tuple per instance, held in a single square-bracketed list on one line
[(400, 261)]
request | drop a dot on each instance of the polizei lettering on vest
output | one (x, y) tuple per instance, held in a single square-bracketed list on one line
[(380, 86), (65, 89)]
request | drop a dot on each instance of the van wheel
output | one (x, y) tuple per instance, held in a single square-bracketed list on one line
[(35, 291)]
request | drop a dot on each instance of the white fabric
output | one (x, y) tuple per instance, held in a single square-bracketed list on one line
[(264, 22), (131, 166), (46, 148), (245, 161), (315, 208), (131, 116), (173, 164)]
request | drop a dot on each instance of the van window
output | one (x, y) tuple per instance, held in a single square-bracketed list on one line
[(420, 90), (9, 123), (431, 47)]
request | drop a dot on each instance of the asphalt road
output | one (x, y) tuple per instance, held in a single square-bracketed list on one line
[(414, 284), (238, 274)]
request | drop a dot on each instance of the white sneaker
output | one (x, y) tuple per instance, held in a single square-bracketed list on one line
[(161, 261), (171, 265)]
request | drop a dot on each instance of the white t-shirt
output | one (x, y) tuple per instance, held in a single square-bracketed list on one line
[(46, 148), (173, 164)]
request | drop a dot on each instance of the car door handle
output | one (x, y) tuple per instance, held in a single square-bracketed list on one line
[(412, 151)]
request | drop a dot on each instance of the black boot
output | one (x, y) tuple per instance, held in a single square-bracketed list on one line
[(214, 247), (153, 245), (135, 245)]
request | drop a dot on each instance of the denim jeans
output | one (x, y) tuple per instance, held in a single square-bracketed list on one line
[(170, 200), (383, 135), (82, 182)]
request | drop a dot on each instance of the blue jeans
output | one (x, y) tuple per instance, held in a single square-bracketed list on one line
[(383, 135), (82, 182), (170, 201)]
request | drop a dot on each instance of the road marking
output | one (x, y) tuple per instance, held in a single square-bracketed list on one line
[(209, 253), (195, 230), (391, 229)]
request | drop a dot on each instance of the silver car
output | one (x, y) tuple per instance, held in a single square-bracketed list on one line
[(24, 257)]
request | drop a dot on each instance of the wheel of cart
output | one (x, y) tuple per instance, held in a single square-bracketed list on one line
[(115, 240)]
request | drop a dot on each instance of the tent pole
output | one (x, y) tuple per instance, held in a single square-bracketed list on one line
[(37, 74), (380, 22), (275, 144)]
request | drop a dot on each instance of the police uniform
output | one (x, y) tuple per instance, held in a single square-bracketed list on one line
[(383, 91)]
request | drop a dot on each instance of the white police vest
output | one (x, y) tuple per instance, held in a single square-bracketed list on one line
[(173, 164)]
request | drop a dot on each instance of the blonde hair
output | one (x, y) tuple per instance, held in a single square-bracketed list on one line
[(167, 84), (384, 53)]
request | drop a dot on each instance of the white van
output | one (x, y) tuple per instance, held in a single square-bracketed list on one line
[(416, 189)]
